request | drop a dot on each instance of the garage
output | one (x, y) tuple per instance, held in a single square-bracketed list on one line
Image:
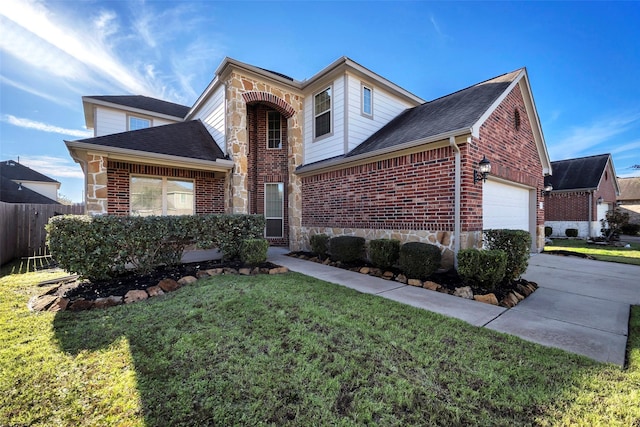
[(505, 206)]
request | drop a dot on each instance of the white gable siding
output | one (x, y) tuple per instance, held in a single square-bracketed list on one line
[(161, 122), (108, 121), (332, 145), (47, 189), (385, 108), (212, 115)]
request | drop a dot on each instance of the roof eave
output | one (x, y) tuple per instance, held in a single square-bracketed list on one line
[(92, 101), (221, 165), (343, 162)]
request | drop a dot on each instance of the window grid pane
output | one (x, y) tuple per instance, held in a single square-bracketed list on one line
[(274, 132), (366, 100), (179, 197), (322, 112), (146, 196), (136, 123), (273, 208)]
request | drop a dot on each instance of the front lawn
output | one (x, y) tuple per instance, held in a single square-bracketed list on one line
[(602, 253), (289, 350)]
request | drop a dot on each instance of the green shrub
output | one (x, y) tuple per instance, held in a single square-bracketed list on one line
[(101, 247), (384, 253), (419, 260), (516, 244), (571, 232), (630, 229), (484, 268), (548, 231), (347, 249), (319, 244), (254, 251)]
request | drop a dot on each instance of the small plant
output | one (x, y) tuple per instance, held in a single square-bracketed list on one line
[(419, 260), (571, 232), (319, 244), (254, 251), (384, 253), (548, 231), (516, 244), (482, 267), (612, 224), (347, 249)]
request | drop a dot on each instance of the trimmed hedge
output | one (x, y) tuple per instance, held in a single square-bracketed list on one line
[(485, 268), (384, 253), (347, 249), (254, 251), (571, 232), (101, 247), (419, 260), (630, 229), (516, 244), (319, 244)]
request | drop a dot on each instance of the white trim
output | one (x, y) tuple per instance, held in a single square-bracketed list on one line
[(363, 87), (281, 217), (138, 117), (330, 111), (164, 192), (279, 147)]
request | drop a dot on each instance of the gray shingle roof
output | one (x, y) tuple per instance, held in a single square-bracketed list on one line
[(146, 103), (576, 174), (185, 139), (629, 188), (458, 110), (11, 192), (14, 170)]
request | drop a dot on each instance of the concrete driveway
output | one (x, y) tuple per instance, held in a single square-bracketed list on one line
[(581, 306)]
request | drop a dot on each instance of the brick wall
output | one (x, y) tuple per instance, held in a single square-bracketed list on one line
[(573, 206), (209, 189), (413, 191), (266, 165)]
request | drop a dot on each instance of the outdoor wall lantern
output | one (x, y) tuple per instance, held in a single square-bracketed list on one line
[(547, 189), (600, 199), (484, 167)]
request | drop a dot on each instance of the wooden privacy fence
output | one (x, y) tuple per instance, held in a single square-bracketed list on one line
[(22, 230)]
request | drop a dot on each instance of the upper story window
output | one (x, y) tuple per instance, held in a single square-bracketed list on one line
[(136, 123), (322, 113), (274, 130), (367, 101)]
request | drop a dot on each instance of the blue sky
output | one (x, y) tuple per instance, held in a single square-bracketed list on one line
[(583, 60)]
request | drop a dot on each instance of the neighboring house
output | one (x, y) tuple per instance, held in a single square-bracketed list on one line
[(21, 184), (343, 152), (629, 199), (584, 190)]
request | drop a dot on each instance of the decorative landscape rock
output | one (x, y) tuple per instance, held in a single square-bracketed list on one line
[(464, 292), (414, 282), (432, 286), (53, 298), (487, 299), (401, 278)]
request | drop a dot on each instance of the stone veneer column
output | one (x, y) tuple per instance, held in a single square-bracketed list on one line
[(96, 197), (237, 145), (295, 144)]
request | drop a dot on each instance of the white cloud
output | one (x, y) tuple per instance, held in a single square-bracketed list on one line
[(55, 167), (31, 124), (582, 140), (32, 91), (634, 147)]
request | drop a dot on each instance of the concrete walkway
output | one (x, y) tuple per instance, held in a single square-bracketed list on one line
[(581, 306)]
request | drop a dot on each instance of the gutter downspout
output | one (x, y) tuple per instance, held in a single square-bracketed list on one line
[(590, 214), (457, 189)]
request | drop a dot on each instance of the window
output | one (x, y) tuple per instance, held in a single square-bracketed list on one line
[(136, 123), (161, 196), (367, 101), (322, 112), (274, 130), (274, 209)]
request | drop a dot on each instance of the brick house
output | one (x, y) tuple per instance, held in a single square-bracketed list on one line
[(343, 152), (629, 198), (584, 190)]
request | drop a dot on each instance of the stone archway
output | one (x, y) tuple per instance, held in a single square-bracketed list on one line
[(272, 100)]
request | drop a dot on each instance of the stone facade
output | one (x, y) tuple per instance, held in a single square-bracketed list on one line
[(240, 89), (96, 176)]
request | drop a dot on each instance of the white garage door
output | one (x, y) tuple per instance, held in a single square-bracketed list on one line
[(505, 206)]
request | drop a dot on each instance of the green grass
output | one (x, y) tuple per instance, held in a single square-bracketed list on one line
[(289, 350), (602, 253)]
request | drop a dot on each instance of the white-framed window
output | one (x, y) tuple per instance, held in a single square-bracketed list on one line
[(274, 209), (136, 123), (367, 101), (161, 196), (322, 113), (274, 130)]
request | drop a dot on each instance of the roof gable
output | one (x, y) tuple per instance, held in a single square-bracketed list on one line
[(185, 139), (16, 171), (583, 173)]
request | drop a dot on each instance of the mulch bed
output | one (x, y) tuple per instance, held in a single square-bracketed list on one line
[(448, 281)]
